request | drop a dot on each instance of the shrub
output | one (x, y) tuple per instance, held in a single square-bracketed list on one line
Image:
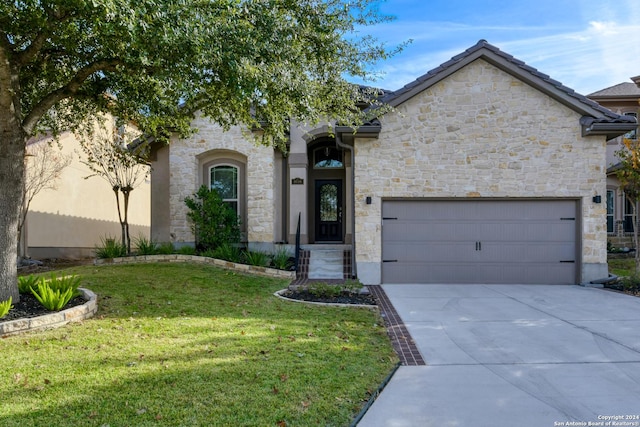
[(631, 283), (324, 290), (50, 299), (166, 248), (145, 246), (214, 222), (25, 283), (110, 248), (5, 306), (281, 259), (352, 286), (259, 259), (225, 251), (187, 250)]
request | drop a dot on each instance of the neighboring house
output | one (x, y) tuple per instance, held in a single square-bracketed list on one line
[(70, 221), (623, 98), (488, 171)]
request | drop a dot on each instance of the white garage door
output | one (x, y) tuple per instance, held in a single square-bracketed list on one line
[(479, 241)]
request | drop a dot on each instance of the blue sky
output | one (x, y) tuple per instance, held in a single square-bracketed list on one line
[(585, 44)]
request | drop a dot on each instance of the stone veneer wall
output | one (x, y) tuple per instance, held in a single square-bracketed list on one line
[(480, 133), (185, 179)]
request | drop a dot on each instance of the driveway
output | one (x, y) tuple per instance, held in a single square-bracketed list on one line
[(514, 355)]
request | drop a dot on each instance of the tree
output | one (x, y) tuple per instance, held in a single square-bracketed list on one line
[(110, 156), (628, 173), (44, 165), (257, 62)]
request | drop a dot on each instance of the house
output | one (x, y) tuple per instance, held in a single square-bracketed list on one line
[(69, 221), (623, 98), (487, 171)]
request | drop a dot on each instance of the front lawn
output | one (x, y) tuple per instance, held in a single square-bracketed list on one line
[(191, 345)]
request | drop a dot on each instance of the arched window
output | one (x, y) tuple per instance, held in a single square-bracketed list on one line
[(225, 179)]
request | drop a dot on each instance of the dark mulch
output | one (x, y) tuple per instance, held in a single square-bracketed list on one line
[(345, 298), (29, 306)]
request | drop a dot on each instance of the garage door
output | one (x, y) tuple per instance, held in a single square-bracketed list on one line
[(479, 241)]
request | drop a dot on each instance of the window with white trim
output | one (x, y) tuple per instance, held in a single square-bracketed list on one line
[(225, 180)]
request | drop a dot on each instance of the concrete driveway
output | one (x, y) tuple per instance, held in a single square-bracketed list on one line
[(514, 355)]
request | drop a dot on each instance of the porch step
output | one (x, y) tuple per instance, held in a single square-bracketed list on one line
[(326, 264)]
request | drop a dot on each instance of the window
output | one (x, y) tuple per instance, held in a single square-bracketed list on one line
[(610, 209), (224, 179), (628, 216), (327, 158), (634, 133)]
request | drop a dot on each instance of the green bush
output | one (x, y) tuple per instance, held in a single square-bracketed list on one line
[(5, 306), (187, 250), (50, 299), (145, 246), (281, 259), (166, 248), (225, 251), (259, 259), (324, 290), (214, 222), (352, 286), (631, 283), (110, 247), (25, 283)]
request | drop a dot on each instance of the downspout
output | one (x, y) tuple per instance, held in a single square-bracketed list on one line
[(340, 144)]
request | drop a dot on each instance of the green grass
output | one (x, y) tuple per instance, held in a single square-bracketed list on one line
[(189, 345), (622, 267)]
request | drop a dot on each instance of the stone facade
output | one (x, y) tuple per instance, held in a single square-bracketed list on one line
[(186, 178), (480, 132)]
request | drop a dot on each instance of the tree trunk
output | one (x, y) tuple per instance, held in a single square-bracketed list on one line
[(635, 235), (12, 150), (125, 194)]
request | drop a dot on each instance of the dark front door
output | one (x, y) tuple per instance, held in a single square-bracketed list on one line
[(328, 210)]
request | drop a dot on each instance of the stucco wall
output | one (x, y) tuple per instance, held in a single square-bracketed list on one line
[(480, 133), (71, 220), (185, 178)]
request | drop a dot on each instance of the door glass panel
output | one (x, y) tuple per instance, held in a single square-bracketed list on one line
[(610, 201), (328, 202)]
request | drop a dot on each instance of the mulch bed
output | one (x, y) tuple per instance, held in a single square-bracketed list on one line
[(29, 306), (304, 295)]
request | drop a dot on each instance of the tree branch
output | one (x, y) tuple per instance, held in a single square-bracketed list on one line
[(67, 91)]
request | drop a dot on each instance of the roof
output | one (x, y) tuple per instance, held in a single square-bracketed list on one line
[(596, 120), (621, 90)]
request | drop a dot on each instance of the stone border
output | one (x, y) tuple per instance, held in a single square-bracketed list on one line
[(328, 304), (228, 265), (55, 319)]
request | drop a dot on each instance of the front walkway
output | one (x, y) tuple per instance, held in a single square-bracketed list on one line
[(525, 355)]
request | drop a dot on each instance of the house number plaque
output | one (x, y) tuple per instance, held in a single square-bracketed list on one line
[(297, 181)]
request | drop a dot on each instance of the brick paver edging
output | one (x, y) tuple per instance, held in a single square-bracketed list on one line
[(243, 268), (53, 320), (401, 340)]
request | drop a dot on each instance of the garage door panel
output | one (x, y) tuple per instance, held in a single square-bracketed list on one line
[(475, 241)]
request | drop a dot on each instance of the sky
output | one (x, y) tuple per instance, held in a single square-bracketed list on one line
[(587, 45)]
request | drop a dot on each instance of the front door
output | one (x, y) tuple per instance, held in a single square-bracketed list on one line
[(328, 210)]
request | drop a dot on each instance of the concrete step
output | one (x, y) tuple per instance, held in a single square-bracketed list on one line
[(326, 264)]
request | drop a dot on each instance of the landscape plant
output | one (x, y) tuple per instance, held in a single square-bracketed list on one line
[(226, 251), (213, 221), (256, 258), (628, 172), (193, 345), (256, 63), (26, 283), (145, 246), (281, 259), (5, 306), (52, 300), (109, 248)]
